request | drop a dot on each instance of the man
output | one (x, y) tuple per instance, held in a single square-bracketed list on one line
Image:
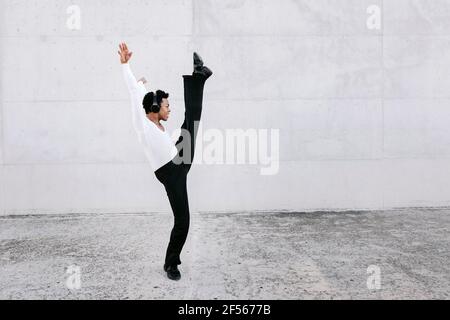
[(171, 162)]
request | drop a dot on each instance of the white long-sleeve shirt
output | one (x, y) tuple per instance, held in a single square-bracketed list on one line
[(158, 145)]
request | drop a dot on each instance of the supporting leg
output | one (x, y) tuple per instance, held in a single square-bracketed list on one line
[(178, 198)]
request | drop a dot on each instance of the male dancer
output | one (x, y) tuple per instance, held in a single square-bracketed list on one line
[(171, 162)]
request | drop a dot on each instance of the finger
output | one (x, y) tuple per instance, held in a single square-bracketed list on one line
[(125, 45)]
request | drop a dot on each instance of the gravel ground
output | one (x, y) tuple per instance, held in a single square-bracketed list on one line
[(318, 255)]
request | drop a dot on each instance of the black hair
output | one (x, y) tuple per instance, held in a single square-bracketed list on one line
[(148, 99)]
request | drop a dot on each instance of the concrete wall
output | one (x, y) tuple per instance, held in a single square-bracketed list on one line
[(363, 113)]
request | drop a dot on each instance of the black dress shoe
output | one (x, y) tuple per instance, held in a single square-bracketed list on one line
[(198, 62), (199, 68), (205, 72), (172, 272)]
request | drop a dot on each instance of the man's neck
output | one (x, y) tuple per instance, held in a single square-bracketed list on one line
[(154, 118)]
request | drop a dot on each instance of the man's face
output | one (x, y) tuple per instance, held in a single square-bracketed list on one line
[(164, 112)]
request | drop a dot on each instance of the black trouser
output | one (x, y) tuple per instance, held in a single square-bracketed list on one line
[(173, 175)]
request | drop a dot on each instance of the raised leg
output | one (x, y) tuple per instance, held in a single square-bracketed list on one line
[(193, 99)]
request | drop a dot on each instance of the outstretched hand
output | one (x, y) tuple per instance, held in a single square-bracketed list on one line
[(125, 54)]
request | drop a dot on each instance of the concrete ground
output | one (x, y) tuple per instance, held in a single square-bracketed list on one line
[(230, 256)]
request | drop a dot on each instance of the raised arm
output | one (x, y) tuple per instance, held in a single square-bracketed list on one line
[(135, 89), (132, 84), (130, 79)]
